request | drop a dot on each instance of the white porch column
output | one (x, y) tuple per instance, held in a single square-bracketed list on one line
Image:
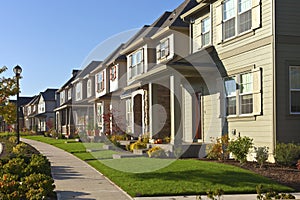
[(150, 111), (172, 108)]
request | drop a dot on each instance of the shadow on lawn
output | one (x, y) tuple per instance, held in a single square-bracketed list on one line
[(228, 179)]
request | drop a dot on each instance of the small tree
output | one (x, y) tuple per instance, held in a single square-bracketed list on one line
[(8, 88)]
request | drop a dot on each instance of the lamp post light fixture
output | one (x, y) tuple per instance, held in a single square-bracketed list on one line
[(18, 71)]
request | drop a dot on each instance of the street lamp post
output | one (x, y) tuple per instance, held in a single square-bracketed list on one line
[(18, 71)]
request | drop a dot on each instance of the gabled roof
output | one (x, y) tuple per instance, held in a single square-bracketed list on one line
[(115, 55), (169, 20), (75, 72), (88, 69), (34, 100), (49, 94), (24, 100)]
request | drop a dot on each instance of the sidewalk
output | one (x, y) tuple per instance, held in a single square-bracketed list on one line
[(75, 179)]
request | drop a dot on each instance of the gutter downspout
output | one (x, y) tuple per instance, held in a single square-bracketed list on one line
[(274, 76)]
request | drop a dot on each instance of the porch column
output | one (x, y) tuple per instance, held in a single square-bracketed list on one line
[(150, 111), (175, 110)]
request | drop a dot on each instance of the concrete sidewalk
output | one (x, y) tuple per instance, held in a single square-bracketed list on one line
[(75, 179)]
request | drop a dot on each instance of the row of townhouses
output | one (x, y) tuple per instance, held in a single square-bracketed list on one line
[(208, 68)]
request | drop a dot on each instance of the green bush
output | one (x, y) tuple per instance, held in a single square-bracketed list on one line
[(10, 187), (156, 152), (38, 186), (240, 148), (15, 166), (38, 164), (262, 154), (287, 154)]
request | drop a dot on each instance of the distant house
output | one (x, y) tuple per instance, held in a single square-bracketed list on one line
[(84, 94), (110, 79), (63, 111), (39, 112)]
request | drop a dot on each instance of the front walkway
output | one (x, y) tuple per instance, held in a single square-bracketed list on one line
[(74, 178)]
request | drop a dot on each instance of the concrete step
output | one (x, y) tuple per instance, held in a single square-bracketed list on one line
[(119, 156), (140, 151)]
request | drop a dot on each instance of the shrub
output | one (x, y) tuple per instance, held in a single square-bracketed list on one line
[(240, 148), (15, 166), (38, 164), (265, 193), (262, 154), (9, 187), (156, 152), (38, 186), (219, 150), (138, 145), (23, 150), (287, 154)]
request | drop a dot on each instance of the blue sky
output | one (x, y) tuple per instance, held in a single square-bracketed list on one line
[(50, 38)]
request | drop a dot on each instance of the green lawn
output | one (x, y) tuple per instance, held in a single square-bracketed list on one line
[(172, 177)]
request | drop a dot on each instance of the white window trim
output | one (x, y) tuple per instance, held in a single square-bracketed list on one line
[(292, 90), (113, 76), (142, 62), (207, 32), (78, 91), (233, 95), (89, 88), (100, 85)]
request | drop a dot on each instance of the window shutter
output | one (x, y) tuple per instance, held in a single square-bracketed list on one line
[(196, 43), (103, 78), (257, 91), (256, 14), (115, 72), (219, 23), (111, 73), (158, 52)]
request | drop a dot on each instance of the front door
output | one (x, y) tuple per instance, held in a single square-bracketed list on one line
[(138, 109)]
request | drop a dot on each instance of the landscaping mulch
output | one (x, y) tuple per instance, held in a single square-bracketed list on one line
[(289, 176)]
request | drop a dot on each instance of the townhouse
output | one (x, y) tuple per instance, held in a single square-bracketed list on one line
[(39, 113), (110, 79), (63, 112), (250, 42)]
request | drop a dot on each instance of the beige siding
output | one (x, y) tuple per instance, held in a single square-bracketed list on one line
[(212, 117), (187, 116), (249, 37)]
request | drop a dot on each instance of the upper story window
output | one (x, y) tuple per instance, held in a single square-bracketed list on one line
[(246, 98), (41, 107), (136, 66), (29, 110), (163, 49), (89, 88), (234, 17), (113, 72), (100, 81), (237, 17), (62, 97), (295, 89), (205, 31), (78, 91), (69, 93)]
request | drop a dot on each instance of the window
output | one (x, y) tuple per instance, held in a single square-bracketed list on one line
[(295, 89), (246, 97), (236, 21), (136, 63), (113, 72), (78, 91), (62, 97), (205, 27), (243, 93), (99, 114), (69, 93), (163, 50), (89, 88), (230, 89), (100, 81), (229, 18)]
